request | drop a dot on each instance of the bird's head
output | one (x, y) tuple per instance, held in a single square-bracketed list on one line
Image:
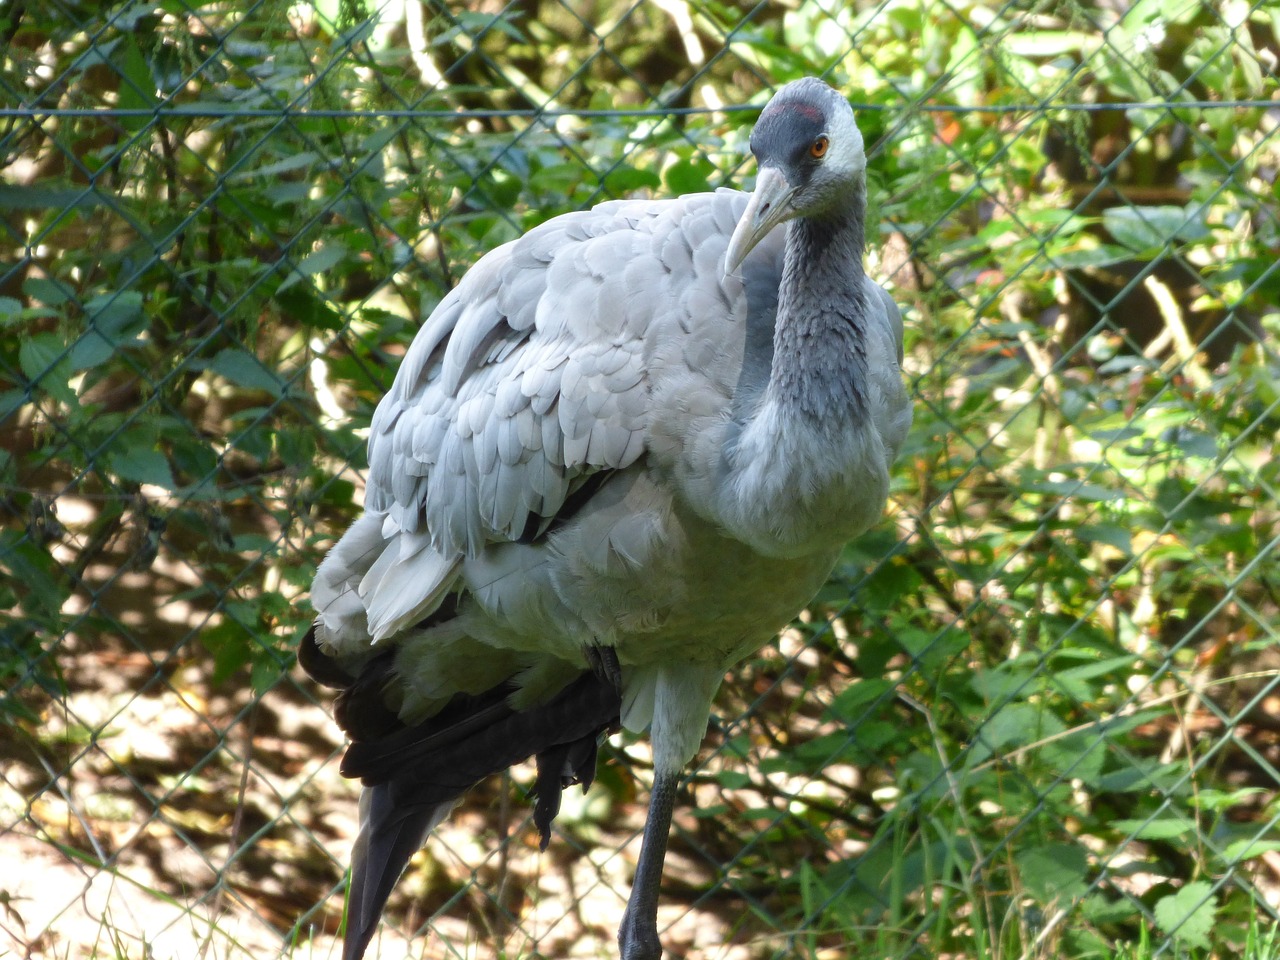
[(810, 157)]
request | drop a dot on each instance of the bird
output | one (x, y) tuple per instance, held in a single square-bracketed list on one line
[(622, 453)]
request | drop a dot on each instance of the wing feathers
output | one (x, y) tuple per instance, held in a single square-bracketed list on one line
[(529, 372), (342, 623), (404, 585), (529, 376)]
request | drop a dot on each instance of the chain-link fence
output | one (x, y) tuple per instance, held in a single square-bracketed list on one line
[(1034, 714)]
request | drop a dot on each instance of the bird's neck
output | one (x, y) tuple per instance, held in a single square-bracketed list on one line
[(807, 471), (819, 350)]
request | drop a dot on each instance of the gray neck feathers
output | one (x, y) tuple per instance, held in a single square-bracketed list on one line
[(819, 349)]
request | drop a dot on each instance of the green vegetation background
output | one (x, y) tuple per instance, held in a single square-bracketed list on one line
[(1035, 713)]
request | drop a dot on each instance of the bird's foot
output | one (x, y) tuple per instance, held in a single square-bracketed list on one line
[(603, 662), (638, 940)]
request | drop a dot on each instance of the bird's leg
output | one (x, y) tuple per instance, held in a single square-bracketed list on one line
[(638, 935)]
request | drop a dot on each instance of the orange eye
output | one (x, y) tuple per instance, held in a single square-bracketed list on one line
[(819, 148)]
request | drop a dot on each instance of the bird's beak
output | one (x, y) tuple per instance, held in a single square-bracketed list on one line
[(768, 207)]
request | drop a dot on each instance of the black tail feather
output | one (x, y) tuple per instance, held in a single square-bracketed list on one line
[(360, 706), (320, 666), (489, 738), (361, 709), (391, 832), (414, 775), (558, 767)]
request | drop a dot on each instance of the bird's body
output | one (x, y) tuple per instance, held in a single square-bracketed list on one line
[(608, 469)]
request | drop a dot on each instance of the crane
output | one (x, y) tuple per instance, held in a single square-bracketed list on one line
[(621, 453)]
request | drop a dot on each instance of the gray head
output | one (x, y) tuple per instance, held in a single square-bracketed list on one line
[(811, 162)]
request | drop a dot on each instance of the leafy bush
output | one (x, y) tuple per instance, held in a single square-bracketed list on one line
[(1031, 715)]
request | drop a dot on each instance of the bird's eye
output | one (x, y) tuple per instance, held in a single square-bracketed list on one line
[(818, 149)]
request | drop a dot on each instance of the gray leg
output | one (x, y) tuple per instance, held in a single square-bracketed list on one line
[(638, 935)]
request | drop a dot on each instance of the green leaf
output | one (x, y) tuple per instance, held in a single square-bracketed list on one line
[(304, 304), (113, 319), (1248, 849), (41, 578), (46, 290), (378, 140), (287, 193), (245, 370), (10, 309), (1210, 799), (91, 350), (1193, 442), (117, 315), (1165, 828), (1079, 756), (1145, 229), (138, 462), (1111, 534), (337, 492), (1091, 255), (1188, 914), (1056, 871), (264, 673), (1100, 668), (1179, 505), (1076, 489), (294, 161), (689, 176), (927, 645), (137, 90), (45, 362), (1016, 724), (327, 257), (297, 448), (712, 812), (11, 400), (231, 646), (852, 703), (627, 180), (39, 355), (46, 198), (192, 457), (558, 178), (1004, 680), (1102, 909)]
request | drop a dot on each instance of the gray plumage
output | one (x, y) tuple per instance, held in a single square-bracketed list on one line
[(617, 457)]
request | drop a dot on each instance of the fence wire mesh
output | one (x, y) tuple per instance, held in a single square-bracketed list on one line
[(1034, 714)]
